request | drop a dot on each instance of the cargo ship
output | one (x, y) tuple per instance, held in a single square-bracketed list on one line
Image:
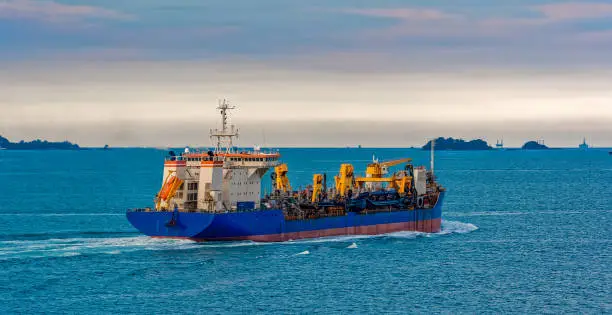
[(216, 195)]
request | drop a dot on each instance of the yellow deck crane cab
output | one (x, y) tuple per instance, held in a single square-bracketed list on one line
[(345, 180), (281, 181), (317, 187)]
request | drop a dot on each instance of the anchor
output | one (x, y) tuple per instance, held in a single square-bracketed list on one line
[(174, 218)]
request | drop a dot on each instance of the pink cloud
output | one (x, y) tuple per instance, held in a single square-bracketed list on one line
[(595, 37), (53, 12), (409, 14), (575, 10)]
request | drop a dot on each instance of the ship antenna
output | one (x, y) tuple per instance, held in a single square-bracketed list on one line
[(226, 135)]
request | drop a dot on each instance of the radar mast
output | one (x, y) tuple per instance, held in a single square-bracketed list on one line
[(225, 136)]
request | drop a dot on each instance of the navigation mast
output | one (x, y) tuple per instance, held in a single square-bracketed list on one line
[(225, 136)]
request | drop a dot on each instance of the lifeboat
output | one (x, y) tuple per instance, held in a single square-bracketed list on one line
[(169, 188)]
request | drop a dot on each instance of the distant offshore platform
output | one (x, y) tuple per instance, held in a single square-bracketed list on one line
[(499, 144)]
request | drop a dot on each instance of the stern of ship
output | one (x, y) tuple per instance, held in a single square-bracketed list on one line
[(171, 224)]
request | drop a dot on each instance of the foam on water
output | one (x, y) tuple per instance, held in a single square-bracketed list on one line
[(303, 253), (354, 245), (75, 246), (450, 227), (403, 234)]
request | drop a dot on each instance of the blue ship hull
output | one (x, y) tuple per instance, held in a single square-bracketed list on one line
[(270, 225)]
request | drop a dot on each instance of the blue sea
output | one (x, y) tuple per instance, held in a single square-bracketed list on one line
[(523, 232)]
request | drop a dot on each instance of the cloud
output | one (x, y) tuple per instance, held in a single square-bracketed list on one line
[(596, 37), (405, 14), (575, 10), (50, 11)]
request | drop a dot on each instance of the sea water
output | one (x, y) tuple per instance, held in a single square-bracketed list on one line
[(523, 232)]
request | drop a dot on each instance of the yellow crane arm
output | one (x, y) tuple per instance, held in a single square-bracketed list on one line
[(374, 179), (395, 162)]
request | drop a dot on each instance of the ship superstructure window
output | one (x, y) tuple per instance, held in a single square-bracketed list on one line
[(192, 186), (192, 197)]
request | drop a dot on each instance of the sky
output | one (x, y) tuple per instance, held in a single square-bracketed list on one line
[(306, 73)]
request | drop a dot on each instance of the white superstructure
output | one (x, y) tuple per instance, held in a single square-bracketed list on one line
[(221, 179)]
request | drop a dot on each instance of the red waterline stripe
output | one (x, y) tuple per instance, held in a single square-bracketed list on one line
[(428, 226)]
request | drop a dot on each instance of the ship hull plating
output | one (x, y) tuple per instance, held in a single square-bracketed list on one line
[(271, 226)]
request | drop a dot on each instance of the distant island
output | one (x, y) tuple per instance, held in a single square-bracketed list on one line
[(534, 145), (458, 144), (36, 145)]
